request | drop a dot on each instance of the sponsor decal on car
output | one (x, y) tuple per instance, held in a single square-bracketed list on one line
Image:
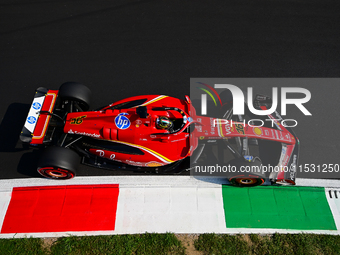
[(122, 122), (227, 128), (273, 134), (83, 133), (212, 127), (226, 125), (239, 129), (257, 131), (36, 106), (100, 152), (32, 116), (78, 120), (87, 134), (292, 173), (31, 119), (181, 139)]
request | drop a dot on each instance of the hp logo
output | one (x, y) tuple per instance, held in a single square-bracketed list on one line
[(36, 106), (122, 122), (31, 120)]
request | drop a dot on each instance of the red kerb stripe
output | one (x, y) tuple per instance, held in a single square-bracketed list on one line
[(62, 208)]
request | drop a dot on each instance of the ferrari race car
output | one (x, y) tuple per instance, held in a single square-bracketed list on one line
[(155, 133)]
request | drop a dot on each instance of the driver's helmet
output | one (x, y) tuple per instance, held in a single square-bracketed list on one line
[(164, 122)]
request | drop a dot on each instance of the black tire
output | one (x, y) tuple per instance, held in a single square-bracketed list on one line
[(251, 178), (226, 97), (58, 163), (76, 92)]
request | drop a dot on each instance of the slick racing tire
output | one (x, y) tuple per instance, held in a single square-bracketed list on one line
[(246, 180), (250, 174), (58, 163), (76, 92)]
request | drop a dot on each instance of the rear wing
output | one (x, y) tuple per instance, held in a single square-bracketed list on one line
[(289, 154), (38, 117)]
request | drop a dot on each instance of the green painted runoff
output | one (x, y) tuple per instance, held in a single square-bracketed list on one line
[(285, 207)]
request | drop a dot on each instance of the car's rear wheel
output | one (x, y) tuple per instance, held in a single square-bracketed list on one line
[(76, 92), (58, 163), (56, 173)]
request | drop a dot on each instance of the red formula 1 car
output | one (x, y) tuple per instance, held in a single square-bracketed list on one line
[(153, 132)]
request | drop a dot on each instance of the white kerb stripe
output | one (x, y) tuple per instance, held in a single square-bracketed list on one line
[(170, 209), (5, 198), (334, 204)]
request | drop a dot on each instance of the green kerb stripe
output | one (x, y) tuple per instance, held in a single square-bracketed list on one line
[(300, 208)]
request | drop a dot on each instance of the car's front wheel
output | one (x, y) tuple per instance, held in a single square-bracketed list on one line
[(249, 174), (246, 180)]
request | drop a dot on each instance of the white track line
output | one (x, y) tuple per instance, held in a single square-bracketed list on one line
[(136, 181)]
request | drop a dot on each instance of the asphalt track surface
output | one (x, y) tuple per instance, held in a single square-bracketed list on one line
[(126, 48)]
